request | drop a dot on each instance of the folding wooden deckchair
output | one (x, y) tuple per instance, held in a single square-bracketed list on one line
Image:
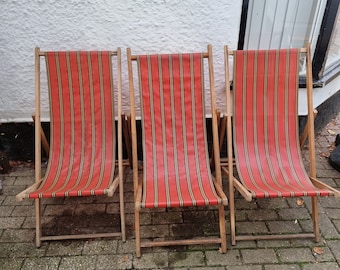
[(176, 170), (265, 132), (82, 157)]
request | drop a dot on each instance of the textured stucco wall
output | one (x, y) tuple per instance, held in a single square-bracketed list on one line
[(143, 25)]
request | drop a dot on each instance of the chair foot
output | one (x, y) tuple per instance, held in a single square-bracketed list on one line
[(138, 253), (37, 242), (222, 250)]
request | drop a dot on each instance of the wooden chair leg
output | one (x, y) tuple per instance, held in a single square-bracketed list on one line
[(122, 210), (315, 216), (232, 221), (212, 159), (304, 134), (137, 232), (37, 222), (44, 141), (223, 233)]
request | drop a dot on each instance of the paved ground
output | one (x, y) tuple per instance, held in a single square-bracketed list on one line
[(17, 250)]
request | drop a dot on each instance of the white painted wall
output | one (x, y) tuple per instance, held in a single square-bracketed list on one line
[(144, 25)]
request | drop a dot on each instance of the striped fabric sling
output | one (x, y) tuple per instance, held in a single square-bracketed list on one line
[(266, 125), (82, 146), (176, 165)]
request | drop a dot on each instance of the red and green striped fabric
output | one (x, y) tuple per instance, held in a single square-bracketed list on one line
[(176, 162), (266, 144), (82, 146)]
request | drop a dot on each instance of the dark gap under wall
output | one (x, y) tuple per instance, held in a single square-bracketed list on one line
[(17, 139)]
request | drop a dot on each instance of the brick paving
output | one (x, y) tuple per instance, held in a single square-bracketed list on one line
[(17, 250)]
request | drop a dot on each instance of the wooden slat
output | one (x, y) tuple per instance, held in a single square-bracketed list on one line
[(200, 241), (22, 194), (80, 236), (274, 236)]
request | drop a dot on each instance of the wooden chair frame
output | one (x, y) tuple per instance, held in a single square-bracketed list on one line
[(138, 184), (227, 167), (40, 139)]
